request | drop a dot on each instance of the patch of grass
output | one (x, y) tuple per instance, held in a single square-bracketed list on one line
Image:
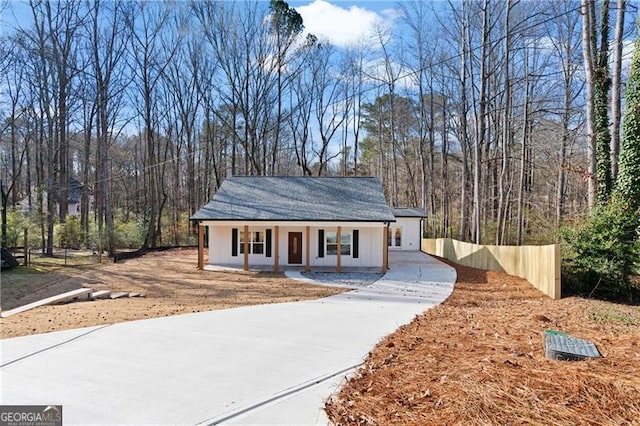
[(614, 314), (24, 270), (60, 260)]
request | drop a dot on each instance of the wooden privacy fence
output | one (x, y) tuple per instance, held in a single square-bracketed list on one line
[(540, 265)]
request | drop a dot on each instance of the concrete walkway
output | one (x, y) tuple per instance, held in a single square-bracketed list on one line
[(268, 364)]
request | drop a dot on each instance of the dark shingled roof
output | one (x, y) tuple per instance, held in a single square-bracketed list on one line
[(408, 212), (352, 199), (74, 191)]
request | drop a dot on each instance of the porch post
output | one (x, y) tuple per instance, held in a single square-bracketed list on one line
[(276, 239), (385, 249), (200, 246), (246, 247), (339, 248), (307, 264)]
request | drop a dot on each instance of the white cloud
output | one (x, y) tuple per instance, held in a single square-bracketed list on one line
[(341, 26)]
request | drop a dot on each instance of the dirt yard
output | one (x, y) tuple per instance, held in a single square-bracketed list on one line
[(478, 359), (170, 281)]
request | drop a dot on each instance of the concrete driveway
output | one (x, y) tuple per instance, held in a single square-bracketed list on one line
[(268, 364)]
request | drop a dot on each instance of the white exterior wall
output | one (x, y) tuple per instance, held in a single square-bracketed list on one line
[(370, 244), (411, 233), (283, 243), (220, 247), (370, 248)]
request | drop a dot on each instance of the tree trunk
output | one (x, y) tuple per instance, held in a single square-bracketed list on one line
[(463, 123), (601, 111), (616, 87), (506, 134), (480, 126), (86, 166), (444, 212), (560, 187), (523, 159), (588, 51)]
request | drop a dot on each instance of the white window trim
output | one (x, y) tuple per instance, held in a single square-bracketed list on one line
[(342, 245), (252, 242)]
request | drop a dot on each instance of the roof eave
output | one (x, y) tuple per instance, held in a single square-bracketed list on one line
[(235, 219)]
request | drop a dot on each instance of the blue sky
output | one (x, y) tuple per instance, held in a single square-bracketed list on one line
[(342, 22)]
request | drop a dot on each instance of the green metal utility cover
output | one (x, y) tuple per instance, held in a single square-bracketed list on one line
[(563, 347)]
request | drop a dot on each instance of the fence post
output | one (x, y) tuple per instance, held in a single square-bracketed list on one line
[(557, 291), (26, 247)]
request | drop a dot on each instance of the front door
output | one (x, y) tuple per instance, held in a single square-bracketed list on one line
[(295, 248)]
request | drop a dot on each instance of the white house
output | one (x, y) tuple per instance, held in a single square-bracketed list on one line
[(307, 222)]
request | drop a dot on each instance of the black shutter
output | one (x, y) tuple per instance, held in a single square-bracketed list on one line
[(355, 243), (234, 241), (320, 242), (267, 242)]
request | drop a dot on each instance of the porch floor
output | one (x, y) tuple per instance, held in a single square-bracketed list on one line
[(282, 268)]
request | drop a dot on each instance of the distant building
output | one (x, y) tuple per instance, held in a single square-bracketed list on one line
[(74, 197)]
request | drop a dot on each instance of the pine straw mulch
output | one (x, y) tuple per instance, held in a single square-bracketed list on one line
[(479, 359)]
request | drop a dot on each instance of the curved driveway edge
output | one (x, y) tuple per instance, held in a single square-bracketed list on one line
[(265, 364)]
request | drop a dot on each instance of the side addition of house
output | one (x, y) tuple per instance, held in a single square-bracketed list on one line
[(308, 222), (406, 232)]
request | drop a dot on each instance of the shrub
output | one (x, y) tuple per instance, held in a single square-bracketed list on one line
[(600, 255), (68, 234), (16, 225), (130, 234)]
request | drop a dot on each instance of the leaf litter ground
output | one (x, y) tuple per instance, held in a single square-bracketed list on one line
[(169, 279), (479, 359)]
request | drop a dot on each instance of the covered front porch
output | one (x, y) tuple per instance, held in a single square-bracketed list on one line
[(304, 246)]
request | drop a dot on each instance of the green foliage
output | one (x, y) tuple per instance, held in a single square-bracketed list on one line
[(599, 256), (68, 234), (378, 115), (628, 179), (603, 137), (15, 228), (180, 233), (16, 224), (130, 234), (285, 20)]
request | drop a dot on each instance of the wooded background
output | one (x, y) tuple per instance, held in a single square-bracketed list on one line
[(488, 114)]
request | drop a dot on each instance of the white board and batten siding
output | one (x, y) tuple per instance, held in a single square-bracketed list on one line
[(409, 236), (370, 243)]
